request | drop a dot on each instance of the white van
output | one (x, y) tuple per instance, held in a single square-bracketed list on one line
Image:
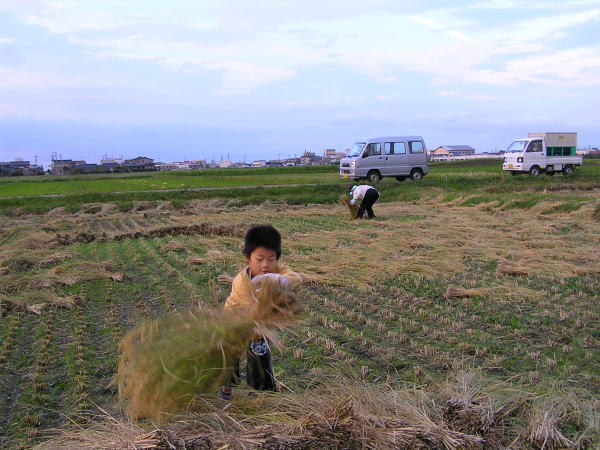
[(547, 153), (401, 157)]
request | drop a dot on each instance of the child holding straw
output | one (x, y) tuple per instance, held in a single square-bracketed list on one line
[(262, 250)]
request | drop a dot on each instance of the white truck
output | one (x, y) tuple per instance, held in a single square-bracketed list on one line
[(547, 153)]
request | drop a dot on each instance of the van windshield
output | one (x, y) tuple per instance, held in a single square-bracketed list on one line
[(356, 149), (517, 146)]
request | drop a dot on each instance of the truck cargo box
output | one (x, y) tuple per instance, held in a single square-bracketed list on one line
[(558, 144)]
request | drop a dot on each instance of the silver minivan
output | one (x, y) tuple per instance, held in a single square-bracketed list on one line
[(401, 157)]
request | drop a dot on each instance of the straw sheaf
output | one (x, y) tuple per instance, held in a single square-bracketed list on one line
[(352, 209), (165, 362)]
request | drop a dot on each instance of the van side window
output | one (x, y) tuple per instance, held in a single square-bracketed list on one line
[(373, 149), (534, 146), (399, 148), (389, 149), (415, 146)]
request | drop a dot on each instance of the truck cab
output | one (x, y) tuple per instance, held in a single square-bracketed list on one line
[(400, 157), (539, 153)]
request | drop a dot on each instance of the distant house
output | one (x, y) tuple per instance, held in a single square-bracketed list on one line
[(88, 168), (165, 167), (331, 156), (310, 159), (259, 163), (110, 166), (455, 150), (61, 166), (139, 164), (198, 164), (17, 168)]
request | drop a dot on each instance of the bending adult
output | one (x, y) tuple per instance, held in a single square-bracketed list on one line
[(369, 196)]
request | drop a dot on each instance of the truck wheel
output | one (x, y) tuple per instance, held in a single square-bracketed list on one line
[(373, 176), (400, 178), (535, 171), (416, 175), (568, 170)]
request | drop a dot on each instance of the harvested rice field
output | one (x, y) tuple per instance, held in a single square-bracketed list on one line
[(449, 321)]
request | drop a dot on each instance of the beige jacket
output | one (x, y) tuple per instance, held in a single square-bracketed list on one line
[(241, 287)]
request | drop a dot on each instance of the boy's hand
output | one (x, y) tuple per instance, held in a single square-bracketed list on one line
[(225, 278), (274, 276)]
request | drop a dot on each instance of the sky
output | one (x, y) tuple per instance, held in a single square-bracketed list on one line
[(267, 79)]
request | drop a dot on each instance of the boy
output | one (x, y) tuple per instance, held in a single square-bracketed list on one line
[(262, 250), (369, 196)]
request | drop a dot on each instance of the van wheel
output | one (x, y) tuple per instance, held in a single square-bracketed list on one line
[(568, 170), (416, 175), (400, 178), (535, 171), (373, 176)]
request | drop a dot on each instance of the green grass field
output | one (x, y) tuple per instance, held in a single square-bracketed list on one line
[(468, 270), (89, 184), (322, 185)]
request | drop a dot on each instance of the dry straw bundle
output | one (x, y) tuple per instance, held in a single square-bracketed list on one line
[(165, 362), (352, 209)]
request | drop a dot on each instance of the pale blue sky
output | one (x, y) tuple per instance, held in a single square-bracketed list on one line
[(201, 79)]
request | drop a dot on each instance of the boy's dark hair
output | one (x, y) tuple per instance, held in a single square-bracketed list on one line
[(262, 236)]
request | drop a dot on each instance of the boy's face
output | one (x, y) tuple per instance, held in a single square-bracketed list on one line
[(262, 260)]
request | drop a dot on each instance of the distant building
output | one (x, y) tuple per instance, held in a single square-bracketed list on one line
[(109, 166), (165, 167), (61, 166), (19, 167), (291, 162), (310, 159), (455, 150), (259, 163), (198, 164), (88, 168), (139, 164), (331, 156), (111, 160), (224, 164)]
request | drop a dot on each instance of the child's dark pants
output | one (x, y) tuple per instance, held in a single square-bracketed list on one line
[(371, 196), (259, 368)]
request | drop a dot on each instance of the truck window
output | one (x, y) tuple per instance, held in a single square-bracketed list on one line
[(534, 146), (416, 146), (373, 149)]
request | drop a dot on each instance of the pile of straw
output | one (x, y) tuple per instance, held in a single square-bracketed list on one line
[(458, 292), (352, 209), (164, 363)]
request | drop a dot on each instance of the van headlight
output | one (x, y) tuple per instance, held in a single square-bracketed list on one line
[(520, 159), (353, 163), (505, 159)]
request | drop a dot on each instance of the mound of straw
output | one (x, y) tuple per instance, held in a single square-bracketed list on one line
[(352, 209), (468, 411), (164, 363), (508, 268), (458, 292)]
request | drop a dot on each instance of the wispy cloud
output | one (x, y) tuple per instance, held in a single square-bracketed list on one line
[(442, 43)]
